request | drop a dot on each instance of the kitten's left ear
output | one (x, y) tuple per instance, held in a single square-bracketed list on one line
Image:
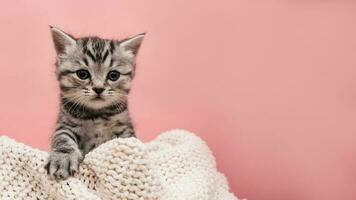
[(62, 41), (132, 44)]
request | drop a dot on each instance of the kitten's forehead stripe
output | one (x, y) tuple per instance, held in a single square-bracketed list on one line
[(112, 47), (111, 63), (86, 61), (105, 56), (91, 55)]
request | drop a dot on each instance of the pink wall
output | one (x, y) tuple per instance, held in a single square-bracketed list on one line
[(270, 85)]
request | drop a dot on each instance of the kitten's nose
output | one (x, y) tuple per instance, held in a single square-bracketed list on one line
[(98, 90)]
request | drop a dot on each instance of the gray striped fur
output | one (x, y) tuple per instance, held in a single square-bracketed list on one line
[(85, 120)]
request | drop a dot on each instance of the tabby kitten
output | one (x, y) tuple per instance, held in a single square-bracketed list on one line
[(95, 77)]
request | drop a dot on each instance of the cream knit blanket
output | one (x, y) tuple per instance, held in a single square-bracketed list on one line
[(176, 165)]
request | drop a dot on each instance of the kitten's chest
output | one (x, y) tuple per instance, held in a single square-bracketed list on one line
[(94, 133)]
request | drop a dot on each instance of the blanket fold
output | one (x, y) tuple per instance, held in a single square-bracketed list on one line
[(177, 165)]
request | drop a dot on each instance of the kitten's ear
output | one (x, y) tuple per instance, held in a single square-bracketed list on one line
[(131, 45), (62, 41)]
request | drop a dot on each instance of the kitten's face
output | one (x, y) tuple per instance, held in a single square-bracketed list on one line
[(94, 72)]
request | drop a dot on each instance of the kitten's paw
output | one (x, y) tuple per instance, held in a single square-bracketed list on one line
[(60, 166)]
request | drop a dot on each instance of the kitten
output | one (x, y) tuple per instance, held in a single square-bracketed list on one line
[(95, 77)]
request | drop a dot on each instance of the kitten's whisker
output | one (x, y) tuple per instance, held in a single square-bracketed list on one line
[(75, 103)]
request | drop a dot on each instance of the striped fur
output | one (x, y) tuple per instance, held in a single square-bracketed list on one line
[(87, 118)]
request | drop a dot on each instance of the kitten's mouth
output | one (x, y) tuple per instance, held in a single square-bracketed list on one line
[(98, 98)]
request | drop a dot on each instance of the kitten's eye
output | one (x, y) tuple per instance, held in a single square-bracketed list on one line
[(113, 75), (83, 74)]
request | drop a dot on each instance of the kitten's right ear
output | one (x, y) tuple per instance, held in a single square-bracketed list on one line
[(62, 41)]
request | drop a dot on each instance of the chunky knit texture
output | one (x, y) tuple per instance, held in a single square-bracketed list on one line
[(176, 165)]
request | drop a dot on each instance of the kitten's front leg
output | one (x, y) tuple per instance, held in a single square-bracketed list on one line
[(65, 155)]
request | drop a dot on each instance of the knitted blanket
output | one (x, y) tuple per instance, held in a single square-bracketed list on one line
[(176, 165)]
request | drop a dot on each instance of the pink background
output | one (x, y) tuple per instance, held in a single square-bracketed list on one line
[(270, 85)]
